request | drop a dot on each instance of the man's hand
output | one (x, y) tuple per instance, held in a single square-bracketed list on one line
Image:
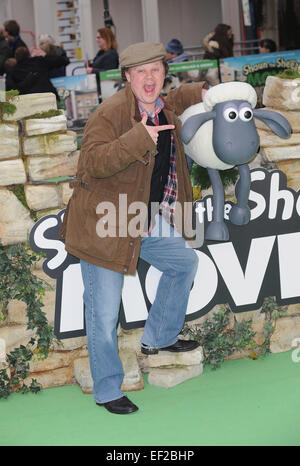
[(154, 130)]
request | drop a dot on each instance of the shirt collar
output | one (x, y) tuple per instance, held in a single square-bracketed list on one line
[(159, 105)]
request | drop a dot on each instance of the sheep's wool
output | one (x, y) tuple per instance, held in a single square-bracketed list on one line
[(229, 91), (200, 147)]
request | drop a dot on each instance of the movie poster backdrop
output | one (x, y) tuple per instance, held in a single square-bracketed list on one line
[(254, 69)]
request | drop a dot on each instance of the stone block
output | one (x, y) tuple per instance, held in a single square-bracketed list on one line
[(287, 330), (130, 339), (15, 221), (15, 335), (166, 358), (37, 126), (293, 117), (71, 344), (283, 94), (43, 168), (169, 377), (133, 379), (275, 154), (55, 378), (268, 139), (292, 170), (12, 172), (43, 196), (66, 192), (82, 374), (50, 144), (10, 146), (30, 104), (17, 312)]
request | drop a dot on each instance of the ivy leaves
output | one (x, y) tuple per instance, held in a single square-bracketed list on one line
[(18, 282), (220, 338)]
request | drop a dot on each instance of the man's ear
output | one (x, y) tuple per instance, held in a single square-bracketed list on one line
[(203, 92), (127, 76)]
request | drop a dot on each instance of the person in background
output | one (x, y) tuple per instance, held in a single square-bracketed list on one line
[(218, 44), (48, 46), (5, 52), (9, 64), (131, 146), (267, 46), (11, 31), (31, 74), (175, 52), (107, 58)]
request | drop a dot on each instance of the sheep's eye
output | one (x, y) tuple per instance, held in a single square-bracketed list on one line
[(230, 114), (246, 114)]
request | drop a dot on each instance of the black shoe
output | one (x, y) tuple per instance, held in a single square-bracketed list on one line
[(179, 347), (119, 406)]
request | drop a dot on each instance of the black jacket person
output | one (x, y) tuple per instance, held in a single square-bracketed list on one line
[(31, 74)]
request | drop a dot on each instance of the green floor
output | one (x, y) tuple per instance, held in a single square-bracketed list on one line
[(244, 402)]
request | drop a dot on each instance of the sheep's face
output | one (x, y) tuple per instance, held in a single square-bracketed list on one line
[(235, 138)]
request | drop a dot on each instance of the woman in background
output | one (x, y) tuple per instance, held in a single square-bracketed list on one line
[(107, 58), (47, 44), (219, 44)]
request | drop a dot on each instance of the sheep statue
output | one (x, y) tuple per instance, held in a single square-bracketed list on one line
[(219, 133)]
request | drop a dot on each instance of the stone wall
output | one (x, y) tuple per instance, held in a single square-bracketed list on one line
[(34, 150), (283, 96)]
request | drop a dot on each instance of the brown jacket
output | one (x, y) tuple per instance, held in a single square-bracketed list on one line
[(117, 157)]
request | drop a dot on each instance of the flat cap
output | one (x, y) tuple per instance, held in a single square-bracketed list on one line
[(142, 53)]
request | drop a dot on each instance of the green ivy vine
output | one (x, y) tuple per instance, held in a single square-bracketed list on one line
[(219, 338), (18, 282)]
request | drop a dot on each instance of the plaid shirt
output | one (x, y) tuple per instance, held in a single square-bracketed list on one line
[(170, 190)]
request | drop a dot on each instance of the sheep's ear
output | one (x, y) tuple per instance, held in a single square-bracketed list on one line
[(192, 124), (276, 122)]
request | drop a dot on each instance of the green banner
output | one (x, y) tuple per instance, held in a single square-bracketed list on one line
[(173, 68)]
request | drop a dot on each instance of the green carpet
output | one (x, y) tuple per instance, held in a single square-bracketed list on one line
[(244, 402)]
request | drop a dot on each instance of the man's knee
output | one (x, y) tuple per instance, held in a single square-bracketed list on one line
[(190, 261), (194, 260)]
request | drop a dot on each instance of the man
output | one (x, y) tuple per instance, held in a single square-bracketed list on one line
[(267, 46), (11, 31), (131, 150), (175, 52)]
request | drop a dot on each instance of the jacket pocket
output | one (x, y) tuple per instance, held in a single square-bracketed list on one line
[(95, 230)]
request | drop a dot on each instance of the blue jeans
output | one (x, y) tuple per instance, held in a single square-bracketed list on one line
[(102, 296)]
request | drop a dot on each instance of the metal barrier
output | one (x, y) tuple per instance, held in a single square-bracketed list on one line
[(244, 47)]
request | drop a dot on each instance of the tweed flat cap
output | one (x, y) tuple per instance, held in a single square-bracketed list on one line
[(142, 53)]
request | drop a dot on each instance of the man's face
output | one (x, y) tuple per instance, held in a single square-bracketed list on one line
[(146, 82)]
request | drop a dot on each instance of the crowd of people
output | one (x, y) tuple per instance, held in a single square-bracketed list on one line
[(31, 70)]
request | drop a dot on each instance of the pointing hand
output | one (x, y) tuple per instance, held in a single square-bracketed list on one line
[(154, 130)]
